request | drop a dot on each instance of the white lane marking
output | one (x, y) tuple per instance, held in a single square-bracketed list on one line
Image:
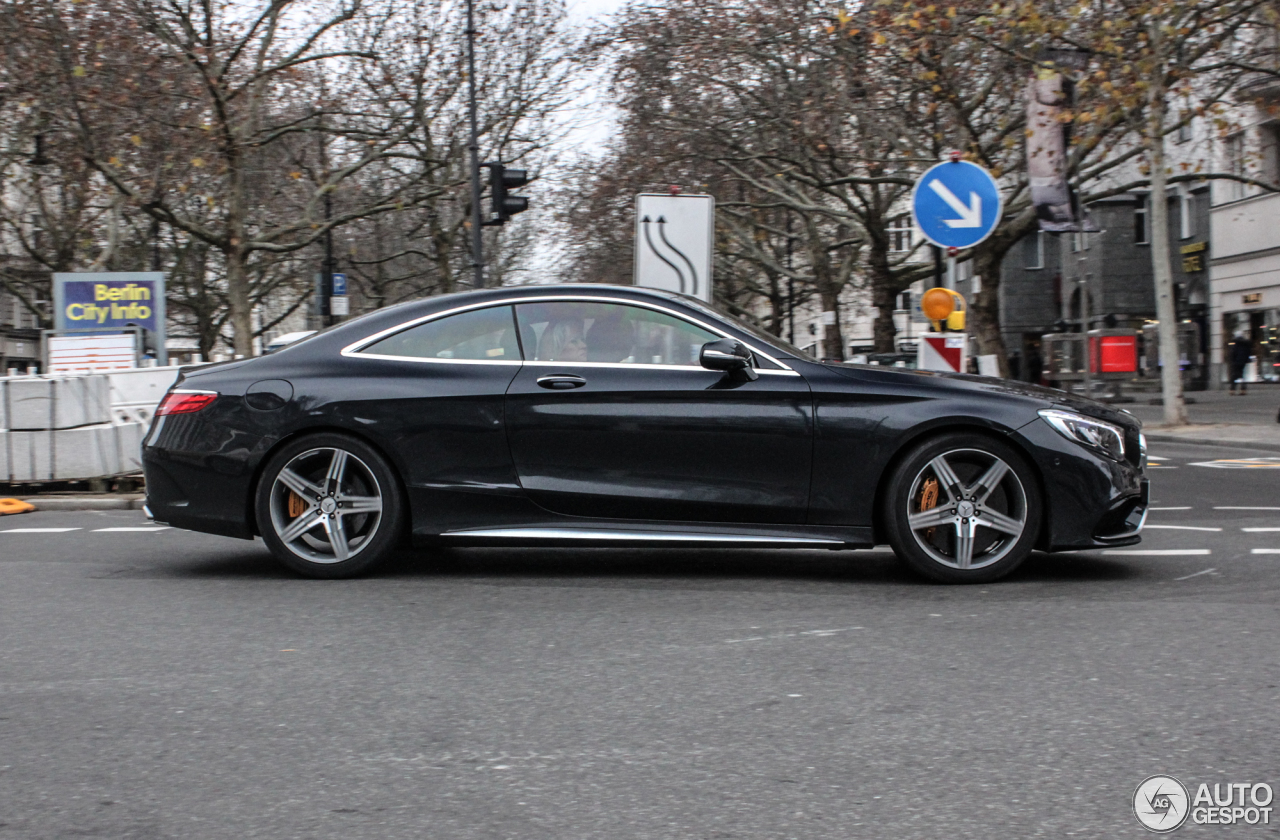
[(1259, 530), (1160, 552), (38, 530), (1183, 528), (1170, 508), (792, 635), (1241, 464), (1197, 574), (1227, 507), (1156, 458), (1266, 551), (142, 530)]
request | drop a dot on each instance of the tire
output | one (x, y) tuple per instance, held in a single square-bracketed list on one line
[(962, 508), (347, 491)]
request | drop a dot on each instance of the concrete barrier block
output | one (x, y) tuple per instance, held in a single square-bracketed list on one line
[(30, 403), (129, 444), (86, 452), (29, 456), (64, 402), (71, 454)]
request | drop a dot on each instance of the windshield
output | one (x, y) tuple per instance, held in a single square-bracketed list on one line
[(764, 335)]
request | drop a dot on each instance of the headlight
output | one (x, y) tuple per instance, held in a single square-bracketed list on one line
[(1095, 434)]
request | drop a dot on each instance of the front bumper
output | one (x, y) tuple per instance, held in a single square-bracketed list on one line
[(1090, 501)]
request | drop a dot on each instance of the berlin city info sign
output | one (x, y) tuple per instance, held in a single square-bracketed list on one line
[(110, 301)]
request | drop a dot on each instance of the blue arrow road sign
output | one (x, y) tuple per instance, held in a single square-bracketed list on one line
[(339, 284), (956, 204)]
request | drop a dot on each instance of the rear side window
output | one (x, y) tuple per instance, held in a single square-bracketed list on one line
[(476, 335), (579, 331)]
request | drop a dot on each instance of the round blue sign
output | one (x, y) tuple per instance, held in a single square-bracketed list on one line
[(956, 204)]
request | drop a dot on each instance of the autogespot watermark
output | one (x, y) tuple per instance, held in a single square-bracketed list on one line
[(1162, 803)]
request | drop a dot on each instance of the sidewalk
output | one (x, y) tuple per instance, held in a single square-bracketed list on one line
[(86, 501), (1220, 419)]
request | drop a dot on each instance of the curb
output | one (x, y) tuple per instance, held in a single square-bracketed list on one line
[(1270, 446), (84, 502)]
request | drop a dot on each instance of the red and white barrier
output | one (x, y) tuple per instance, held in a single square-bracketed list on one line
[(944, 352)]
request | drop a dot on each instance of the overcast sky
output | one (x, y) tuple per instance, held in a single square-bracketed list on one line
[(591, 116)]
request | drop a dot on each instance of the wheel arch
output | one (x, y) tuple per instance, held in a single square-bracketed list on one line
[(251, 502), (954, 425)]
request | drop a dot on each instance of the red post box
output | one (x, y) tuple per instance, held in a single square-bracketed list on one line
[(1113, 351)]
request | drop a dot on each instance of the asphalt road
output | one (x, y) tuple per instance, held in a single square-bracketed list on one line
[(161, 684)]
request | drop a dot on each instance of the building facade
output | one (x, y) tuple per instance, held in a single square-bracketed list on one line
[(1083, 281), (1244, 260)]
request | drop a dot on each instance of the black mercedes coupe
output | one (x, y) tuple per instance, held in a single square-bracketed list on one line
[(584, 415)]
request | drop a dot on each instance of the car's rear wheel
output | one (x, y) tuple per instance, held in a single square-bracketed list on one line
[(329, 506), (962, 508)]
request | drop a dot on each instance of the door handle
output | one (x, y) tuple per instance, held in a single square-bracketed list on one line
[(561, 381)]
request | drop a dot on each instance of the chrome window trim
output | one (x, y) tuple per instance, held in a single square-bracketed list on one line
[(434, 361), (353, 349)]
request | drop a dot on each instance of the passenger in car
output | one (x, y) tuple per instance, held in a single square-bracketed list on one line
[(611, 339), (562, 341)]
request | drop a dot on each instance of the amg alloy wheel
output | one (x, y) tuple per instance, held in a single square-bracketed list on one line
[(328, 506), (963, 508)]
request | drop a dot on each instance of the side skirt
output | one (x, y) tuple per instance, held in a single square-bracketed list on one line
[(661, 536)]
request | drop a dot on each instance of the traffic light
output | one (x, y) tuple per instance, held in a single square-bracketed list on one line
[(502, 205)]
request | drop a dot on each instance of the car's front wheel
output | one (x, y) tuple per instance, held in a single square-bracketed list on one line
[(962, 508), (329, 506)]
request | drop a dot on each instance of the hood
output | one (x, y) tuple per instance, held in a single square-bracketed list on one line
[(1051, 397)]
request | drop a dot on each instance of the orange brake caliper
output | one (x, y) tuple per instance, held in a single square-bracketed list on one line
[(929, 500), (297, 506)]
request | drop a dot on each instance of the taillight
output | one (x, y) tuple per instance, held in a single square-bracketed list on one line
[(185, 402)]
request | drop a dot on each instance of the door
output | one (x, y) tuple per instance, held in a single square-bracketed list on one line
[(612, 416), (435, 392)]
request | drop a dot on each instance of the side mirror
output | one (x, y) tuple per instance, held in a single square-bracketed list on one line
[(730, 356)]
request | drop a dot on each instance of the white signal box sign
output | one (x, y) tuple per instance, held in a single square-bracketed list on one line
[(674, 238)]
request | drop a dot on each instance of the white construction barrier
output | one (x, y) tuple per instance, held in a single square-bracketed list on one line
[(136, 393), (55, 403), (64, 428)]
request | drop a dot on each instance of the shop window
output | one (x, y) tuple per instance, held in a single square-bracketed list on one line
[(1141, 229)]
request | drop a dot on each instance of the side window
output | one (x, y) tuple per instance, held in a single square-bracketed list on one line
[(479, 334), (571, 331)]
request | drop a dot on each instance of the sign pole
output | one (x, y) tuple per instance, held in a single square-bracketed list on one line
[(473, 147)]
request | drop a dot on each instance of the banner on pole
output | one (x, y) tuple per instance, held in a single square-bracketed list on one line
[(1046, 153)]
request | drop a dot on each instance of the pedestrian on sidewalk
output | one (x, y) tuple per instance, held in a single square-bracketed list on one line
[(1239, 354)]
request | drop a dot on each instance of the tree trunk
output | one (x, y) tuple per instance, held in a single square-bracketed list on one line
[(1175, 408), (884, 297), (832, 337), (983, 319), (238, 300)]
